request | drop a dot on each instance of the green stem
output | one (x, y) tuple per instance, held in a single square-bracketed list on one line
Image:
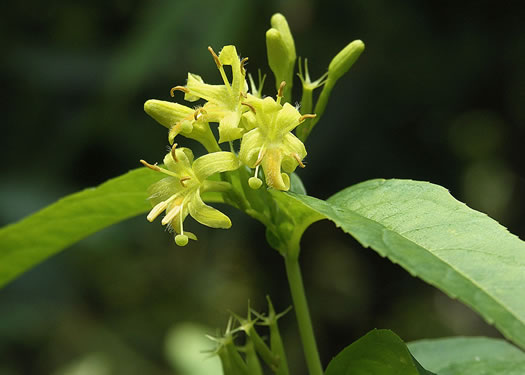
[(306, 330)]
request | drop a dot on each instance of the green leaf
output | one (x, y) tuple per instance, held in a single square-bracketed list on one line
[(46, 232), (469, 356), (421, 227), (379, 352)]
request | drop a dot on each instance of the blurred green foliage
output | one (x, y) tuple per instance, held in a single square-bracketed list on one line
[(438, 95)]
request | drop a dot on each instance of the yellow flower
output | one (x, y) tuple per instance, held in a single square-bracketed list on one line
[(224, 103), (270, 143), (180, 193)]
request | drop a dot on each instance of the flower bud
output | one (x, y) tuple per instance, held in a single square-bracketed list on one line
[(281, 52), (345, 59), (166, 113)]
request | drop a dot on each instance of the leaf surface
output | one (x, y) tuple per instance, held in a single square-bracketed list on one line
[(31, 240), (379, 352), (421, 227), (469, 356)]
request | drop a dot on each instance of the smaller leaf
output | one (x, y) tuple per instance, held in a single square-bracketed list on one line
[(379, 352), (469, 356)]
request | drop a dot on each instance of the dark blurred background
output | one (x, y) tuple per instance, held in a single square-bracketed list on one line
[(438, 95)]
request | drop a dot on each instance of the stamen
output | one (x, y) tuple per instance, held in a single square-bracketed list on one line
[(299, 161), (173, 153), (215, 57), (170, 215), (181, 218), (183, 179), (178, 88), (304, 117), (243, 62), (150, 166), (157, 210), (219, 66), (260, 157), (243, 94), (280, 92), (156, 168), (252, 108), (198, 113)]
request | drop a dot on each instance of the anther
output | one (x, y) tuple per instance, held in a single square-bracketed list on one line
[(243, 62), (304, 117), (281, 88), (198, 113), (150, 166), (252, 108), (215, 57), (183, 179), (299, 161), (178, 88), (173, 153)]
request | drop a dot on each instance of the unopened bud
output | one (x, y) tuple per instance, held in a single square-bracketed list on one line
[(281, 52), (166, 113), (345, 59)]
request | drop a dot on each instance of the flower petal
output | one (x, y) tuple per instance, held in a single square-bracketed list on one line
[(207, 215), (292, 145), (250, 146), (181, 166), (271, 164), (288, 118), (209, 164), (228, 56), (229, 127), (211, 93)]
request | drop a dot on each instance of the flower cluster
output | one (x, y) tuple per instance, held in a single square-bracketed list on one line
[(263, 126)]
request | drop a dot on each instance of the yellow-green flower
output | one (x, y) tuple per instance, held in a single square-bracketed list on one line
[(224, 103), (270, 143), (180, 193)]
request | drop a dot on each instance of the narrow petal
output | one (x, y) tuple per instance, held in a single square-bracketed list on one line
[(272, 169), (228, 56), (212, 93), (288, 118), (292, 145), (209, 164), (156, 211), (250, 147), (162, 190), (207, 215), (182, 165), (229, 127)]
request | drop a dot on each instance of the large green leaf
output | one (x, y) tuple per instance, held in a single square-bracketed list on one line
[(469, 356), (38, 236), (379, 352), (433, 236)]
